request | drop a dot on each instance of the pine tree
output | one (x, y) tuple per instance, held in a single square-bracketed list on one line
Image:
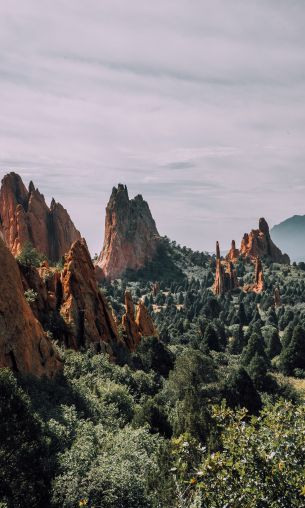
[(257, 370), (210, 338), (293, 355), (274, 345), (255, 345), (237, 342), (240, 391)]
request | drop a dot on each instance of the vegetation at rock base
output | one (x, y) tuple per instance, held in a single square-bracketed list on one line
[(205, 417)]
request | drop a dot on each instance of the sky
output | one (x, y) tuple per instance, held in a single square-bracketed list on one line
[(198, 105)]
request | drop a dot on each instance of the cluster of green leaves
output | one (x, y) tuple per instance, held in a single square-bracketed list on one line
[(29, 256), (260, 462)]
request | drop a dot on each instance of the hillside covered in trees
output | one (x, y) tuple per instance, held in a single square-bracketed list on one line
[(208, 414)]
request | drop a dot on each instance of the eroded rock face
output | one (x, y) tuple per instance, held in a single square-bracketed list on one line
[(131, 236), (258, 243), (136, 323), (83, 307), (24, 347), (26, 218), (225, 277)]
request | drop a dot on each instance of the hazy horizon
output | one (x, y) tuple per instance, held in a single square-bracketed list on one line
[(198, 106)]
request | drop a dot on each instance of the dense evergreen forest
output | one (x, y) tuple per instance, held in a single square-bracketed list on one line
[(211, 414)]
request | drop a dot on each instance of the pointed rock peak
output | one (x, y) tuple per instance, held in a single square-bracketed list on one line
[(263, 226), (84, 308), (14, 190), (31, 187), (259, 243), (136, 323), (53, 204), (131, 236), (26, 218), (129, 303), (217, 250), (233, 245), (119, 192), (139, 198), (12, 178)]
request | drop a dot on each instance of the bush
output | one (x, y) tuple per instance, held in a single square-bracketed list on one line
[(261, 463), (29, 256), (24, 460)]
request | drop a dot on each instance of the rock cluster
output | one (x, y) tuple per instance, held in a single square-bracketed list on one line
[(226, 277), (136, 323), (258, 243), (24, 346), (131, 237), (26, 218)]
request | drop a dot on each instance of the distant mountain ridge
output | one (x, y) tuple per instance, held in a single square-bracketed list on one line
[(290, 236)]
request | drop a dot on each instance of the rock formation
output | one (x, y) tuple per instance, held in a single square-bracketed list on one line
[(259, 283), (277, 297), (225, 278), (24, 347), (233, 253), (26, 218), (136, 323), (83, 306), (258, 243), (129, 324), (131, 236), (144, 321), (155, 288), (43, 281)]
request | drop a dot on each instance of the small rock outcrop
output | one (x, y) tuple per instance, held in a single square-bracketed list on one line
[(233, 253), (24, 346), (259, 282), (277, 297), (258, 243), (144, 321), (131, 237), (225, 277), (83, 307), (129, 325), (26, 218), (155, 288), (136, 323)]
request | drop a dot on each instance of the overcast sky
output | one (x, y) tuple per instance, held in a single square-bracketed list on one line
[(198, 105)]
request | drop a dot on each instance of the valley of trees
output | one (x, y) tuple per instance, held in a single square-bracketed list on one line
[(211, 415)]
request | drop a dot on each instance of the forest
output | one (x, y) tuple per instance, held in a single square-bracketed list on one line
[(210, 414)]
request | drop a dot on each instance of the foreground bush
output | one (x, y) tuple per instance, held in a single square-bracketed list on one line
[(260, 464)]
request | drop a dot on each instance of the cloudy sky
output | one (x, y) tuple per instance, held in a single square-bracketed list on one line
[(197, 104)]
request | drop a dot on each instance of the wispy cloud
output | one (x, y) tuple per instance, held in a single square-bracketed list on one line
[(198, 105)]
